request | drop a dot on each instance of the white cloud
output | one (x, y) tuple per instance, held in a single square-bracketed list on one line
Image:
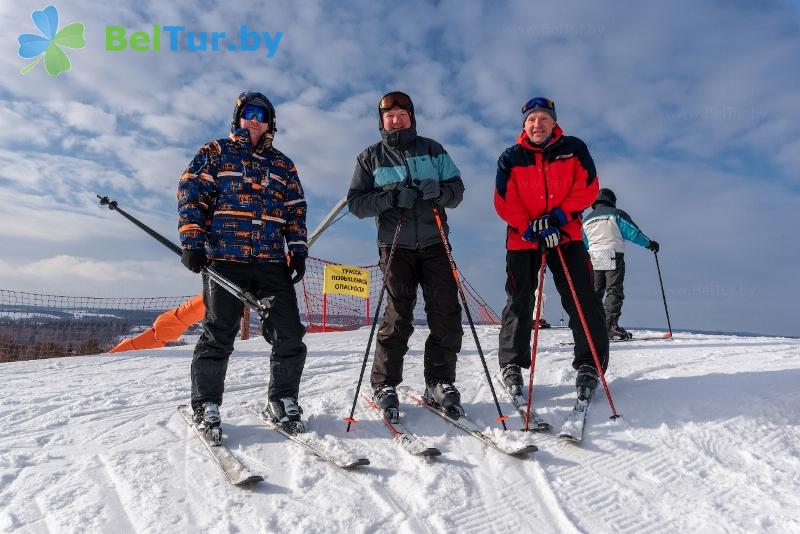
[(85, 117), (72, 275)]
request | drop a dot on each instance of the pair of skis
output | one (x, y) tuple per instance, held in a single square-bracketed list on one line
[(571, 430), (416, 446), (239, 475)]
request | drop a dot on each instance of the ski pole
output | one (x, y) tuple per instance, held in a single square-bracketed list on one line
[(535, 337), (327, 221), (663, 295), (600, 371), (349, 420), (500, 417), (261, 307)]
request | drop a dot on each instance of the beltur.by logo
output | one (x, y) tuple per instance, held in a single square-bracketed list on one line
[(48, 45), (179, 39)]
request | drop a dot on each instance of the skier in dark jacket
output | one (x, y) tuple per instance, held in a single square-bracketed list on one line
[(240, 205), (543, 184), (404, 176), (605, 231)]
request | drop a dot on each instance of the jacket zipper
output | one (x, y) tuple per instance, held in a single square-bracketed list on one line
[(544, 174), (409, 183), (546, 189)]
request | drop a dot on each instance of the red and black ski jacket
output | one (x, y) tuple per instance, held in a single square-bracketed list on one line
[(532, 181)]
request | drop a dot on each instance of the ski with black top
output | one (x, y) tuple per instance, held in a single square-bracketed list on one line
[(233, 469), (664, 337), (310, 443), (469, 426), (537, 424), (409, 441), (572, 429)]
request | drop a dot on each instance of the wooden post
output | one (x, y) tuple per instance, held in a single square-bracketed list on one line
[(246, 324)]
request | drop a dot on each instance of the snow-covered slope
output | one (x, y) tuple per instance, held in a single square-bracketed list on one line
[(709, 442)]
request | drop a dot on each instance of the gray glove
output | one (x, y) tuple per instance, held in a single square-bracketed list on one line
[(406, 197), (430, 189)]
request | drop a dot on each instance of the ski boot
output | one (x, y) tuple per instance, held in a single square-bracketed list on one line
[(512, 379), (447, 397), (586, 381), (543, 324), (385, 398), (616, 331), (208, 422), (286, 412)]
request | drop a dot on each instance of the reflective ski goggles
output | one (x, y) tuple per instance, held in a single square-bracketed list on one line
[(396, 100), (252, 111), (538, 102)]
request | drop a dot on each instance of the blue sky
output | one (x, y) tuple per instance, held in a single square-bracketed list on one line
[(688, 108)]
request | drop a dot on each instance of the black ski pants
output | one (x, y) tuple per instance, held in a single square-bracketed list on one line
[(610, 283), (522, 272), (430, 268), (282, 329)]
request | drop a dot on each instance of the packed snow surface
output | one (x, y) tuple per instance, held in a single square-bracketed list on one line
[(709, 442)]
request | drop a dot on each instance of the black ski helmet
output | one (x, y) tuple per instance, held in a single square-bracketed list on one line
[(607, 197)]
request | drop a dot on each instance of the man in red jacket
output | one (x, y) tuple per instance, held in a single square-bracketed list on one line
[(543, 184)]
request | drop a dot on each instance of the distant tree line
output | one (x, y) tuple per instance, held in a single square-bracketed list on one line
[(11, 351)]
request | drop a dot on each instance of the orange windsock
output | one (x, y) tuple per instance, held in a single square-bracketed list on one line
[(168, 326)]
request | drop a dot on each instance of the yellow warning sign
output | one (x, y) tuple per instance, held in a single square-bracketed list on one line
[(346, 280)]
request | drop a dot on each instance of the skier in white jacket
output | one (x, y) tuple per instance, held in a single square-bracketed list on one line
[(605, 231)]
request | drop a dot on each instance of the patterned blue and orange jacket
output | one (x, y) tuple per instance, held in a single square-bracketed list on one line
[(242, 203)]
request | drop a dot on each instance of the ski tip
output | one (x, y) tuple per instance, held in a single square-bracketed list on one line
[(527, 449), (539, 429), (357, 463), (248, 481), (430, 452)]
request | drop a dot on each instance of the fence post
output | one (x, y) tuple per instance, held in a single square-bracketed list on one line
[(246, 324)]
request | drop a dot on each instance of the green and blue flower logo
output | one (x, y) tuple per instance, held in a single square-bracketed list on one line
[(50, 42)]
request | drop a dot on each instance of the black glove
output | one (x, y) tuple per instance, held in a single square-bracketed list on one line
[(430, 189), (406, 197), (194, 260), (653, 246), (297, 264)]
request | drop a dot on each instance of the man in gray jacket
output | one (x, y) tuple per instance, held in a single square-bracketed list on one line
[(399, 181)]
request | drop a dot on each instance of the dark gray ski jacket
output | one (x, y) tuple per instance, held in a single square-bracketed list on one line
[(402, 159)]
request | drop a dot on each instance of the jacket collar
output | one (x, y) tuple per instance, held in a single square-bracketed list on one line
[(241, 136), (399, 138)]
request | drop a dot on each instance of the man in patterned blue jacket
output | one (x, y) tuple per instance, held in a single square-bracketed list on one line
[(605, 231), (240, 205), (405, 175)]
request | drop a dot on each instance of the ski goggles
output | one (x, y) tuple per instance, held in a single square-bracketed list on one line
[(252, 111), (396, 100), (538, 102)]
